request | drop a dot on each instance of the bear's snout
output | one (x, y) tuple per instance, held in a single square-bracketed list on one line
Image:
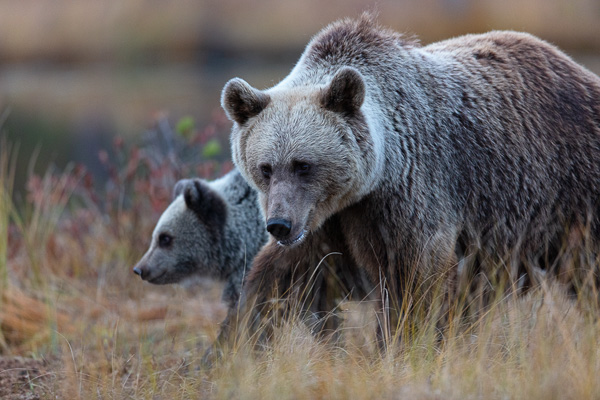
[(279, 227), (141, 271)]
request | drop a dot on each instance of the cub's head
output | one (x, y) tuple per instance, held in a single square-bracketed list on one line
[(188, 237), (307, 149)]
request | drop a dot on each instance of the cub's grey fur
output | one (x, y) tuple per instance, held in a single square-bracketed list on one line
[(419, 154), (212, 229)]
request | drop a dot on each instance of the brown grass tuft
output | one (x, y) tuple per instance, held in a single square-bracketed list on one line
[(28, 323)]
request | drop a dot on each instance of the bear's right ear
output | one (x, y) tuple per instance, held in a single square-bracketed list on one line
[(241, 101)]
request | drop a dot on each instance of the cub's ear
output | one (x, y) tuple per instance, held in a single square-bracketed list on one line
[(345, 93), (207, 204), (241, 101), (180, 187)]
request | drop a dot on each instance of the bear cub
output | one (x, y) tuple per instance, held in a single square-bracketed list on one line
[(211, 229)]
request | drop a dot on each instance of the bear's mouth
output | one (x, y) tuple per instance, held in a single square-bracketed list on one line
[(293, 241), (158, 280)]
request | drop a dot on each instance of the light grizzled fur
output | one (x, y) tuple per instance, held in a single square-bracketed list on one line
[(216, 229), (420, 154)]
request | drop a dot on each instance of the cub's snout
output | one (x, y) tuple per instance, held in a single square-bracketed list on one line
[(141, 270)]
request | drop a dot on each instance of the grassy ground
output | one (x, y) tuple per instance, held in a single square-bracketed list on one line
[(75, 322)]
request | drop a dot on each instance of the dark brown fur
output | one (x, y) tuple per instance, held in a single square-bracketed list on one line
[(319, 277)]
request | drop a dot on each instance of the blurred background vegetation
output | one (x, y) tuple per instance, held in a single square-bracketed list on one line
[(75, 75)]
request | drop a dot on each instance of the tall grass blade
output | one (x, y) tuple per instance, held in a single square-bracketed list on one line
[(8, 158)]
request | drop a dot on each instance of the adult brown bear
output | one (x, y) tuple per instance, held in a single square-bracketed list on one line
[(407, 157)]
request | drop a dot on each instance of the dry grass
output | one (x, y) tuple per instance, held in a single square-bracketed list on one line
[(536, 347), (69, 297), (150, 347)]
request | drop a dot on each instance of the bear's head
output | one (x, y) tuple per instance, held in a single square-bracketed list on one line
[(307, 149), (188, 237)]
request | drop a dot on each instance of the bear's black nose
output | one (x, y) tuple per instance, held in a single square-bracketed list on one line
[(139, 271), (279, 227)]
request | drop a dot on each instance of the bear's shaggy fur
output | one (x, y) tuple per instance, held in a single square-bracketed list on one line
[(214, 229), (409, 158)]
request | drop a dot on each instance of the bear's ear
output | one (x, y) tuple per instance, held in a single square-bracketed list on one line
[(345, 93), (195, 194), (205, 202), (180, 187), (241, 101)]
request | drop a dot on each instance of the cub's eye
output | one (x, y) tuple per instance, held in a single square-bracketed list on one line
[(301, 168), (165, 240), (265, 170)]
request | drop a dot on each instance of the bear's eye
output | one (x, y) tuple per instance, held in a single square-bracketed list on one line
[(164, 240), (265, 170), (301, 168)]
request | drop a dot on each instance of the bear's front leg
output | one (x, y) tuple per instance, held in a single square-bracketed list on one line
[(263, 286)]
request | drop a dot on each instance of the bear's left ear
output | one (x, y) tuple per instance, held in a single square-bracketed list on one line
[(241, 101), (180, 187), (345, 93), (205, 202)]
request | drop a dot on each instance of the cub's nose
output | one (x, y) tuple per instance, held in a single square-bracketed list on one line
[(279, 227), (140, 270)]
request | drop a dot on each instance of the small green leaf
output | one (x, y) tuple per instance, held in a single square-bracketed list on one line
[(185, 126), (212, 148)]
